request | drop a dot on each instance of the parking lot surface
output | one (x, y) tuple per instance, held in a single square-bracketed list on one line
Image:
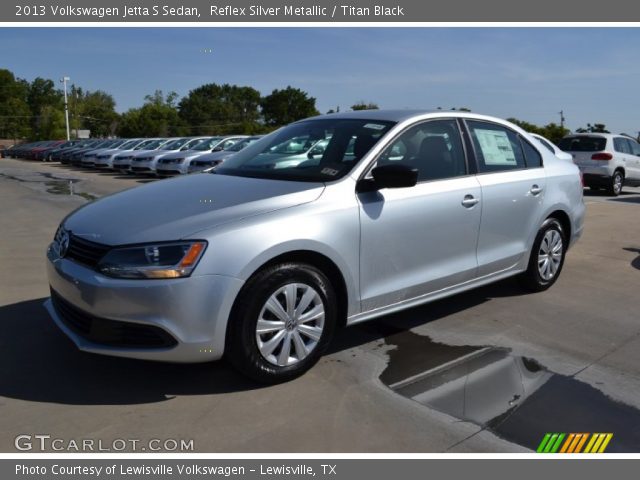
[(567, 359)]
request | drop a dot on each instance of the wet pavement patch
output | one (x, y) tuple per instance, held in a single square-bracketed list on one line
[(514, 397), (53, 184)]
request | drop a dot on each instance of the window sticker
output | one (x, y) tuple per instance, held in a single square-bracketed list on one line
[(496, 147), (330, 171), (374, 126)]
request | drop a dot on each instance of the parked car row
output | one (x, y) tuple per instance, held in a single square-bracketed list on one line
[(606, 161), (141, 156)]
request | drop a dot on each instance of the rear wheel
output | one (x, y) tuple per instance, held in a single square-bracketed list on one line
[(617, 181), (547, 257), (282, 322)]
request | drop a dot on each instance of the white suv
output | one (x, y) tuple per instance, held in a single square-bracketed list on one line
[(605, 160)]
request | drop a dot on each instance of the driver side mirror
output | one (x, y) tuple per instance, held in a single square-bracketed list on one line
[(219, 148), (389, 176)]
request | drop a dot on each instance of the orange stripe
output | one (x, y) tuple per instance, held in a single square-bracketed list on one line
[(567, 443), (574, 443), (580, 445)]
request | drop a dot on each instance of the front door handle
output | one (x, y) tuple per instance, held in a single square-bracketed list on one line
[(535, 190), (469, 201)]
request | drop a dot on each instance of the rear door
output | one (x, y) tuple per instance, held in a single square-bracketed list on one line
[(513, 182)]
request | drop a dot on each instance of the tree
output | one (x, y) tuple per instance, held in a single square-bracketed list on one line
[(43, 99), (158, 117), (362, 105), (217, 109), (98, 113), (15, 115), (595, 128), (284, 106), (552, 131)]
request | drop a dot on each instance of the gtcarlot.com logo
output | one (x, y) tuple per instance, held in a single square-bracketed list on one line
[(48, 443), (574, 442)]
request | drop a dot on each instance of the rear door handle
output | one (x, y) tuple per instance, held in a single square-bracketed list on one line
[(535, 190), (469, 201)]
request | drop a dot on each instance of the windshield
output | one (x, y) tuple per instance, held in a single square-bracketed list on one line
[(206, 144), (151, 145), (144, 144), (175, 144), (319, 150), (128, 145), (236, 147), (583, 143)]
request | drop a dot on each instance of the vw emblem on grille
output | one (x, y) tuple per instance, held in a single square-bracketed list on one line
[(63, 243)]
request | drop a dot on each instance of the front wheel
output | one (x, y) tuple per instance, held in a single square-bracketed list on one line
[(547, 257), (282, 322)]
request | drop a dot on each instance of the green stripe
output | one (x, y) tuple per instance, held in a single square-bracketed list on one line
[(558, 443), (543, 442), (550, 443)]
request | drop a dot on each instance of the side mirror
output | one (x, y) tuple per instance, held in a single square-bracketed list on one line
[(395, 176), (219, 148)]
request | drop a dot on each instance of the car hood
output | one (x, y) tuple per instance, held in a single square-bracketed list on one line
[(216, 155), (183, 154), (178, 208)]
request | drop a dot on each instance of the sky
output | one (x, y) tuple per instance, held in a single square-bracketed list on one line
[(592, 74)]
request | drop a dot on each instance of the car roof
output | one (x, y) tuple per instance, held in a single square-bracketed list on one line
[(389, 115)]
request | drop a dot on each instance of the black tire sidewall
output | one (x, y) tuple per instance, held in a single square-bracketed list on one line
[(612, 189), (242, 348), (532, 275)]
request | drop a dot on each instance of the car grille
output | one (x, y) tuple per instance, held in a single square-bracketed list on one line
[(110, 332), (86, 252)]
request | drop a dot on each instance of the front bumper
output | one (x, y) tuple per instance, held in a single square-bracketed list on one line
[(170, 169), (192, 310)]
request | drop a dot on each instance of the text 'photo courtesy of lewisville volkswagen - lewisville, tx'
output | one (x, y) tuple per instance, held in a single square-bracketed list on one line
[(292, 240)]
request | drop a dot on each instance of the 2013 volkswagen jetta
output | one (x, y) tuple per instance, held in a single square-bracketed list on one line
[(263, 258)]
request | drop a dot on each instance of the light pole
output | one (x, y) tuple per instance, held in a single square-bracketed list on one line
[(64, 81)]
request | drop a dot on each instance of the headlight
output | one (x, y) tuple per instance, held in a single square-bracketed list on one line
[(163, 260)]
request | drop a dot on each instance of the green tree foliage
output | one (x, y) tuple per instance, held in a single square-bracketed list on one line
[(158, 117), (362, 105), (44, 100), (15, 115), (98, 113), (552, 131), (287, 105), (217, 109), (595, 128)]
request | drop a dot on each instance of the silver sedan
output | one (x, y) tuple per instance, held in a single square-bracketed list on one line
[(264, 258)]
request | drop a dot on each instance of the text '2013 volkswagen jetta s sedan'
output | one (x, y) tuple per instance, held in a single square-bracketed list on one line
[(263, 258)]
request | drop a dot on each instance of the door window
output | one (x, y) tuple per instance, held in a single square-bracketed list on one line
[(433, 147), (497, 148)]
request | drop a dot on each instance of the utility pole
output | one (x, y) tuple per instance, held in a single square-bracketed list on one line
[(64, 81), (561, 112)]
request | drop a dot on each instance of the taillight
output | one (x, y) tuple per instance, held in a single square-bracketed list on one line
[(602, 156)]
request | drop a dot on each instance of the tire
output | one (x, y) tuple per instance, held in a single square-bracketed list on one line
[(617, 182), (540, 276), (259, 354)]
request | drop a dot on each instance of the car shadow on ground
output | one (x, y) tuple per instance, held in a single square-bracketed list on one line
[(38, 363), (635, 263)]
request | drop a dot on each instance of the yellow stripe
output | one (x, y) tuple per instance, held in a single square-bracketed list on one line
[(567, 443), (598, 442), (606, 442), (590, 444), (574, 443), (584, 439)]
